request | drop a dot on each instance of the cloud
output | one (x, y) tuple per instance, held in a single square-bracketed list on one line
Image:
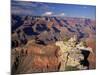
[(21, 11), (84, 7), (62, 14), (53, 14), (47, 13)]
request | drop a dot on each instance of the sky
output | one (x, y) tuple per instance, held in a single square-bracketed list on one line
[(53, 9)]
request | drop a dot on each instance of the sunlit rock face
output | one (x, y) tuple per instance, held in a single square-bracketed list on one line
[(72, 53)]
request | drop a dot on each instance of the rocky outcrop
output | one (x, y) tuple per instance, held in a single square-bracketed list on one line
[(74, 54)]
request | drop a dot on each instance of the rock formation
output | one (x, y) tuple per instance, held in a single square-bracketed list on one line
[(71, 53), (47, 44)]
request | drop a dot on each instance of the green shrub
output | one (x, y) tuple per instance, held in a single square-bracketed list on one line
[(71, 68)]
